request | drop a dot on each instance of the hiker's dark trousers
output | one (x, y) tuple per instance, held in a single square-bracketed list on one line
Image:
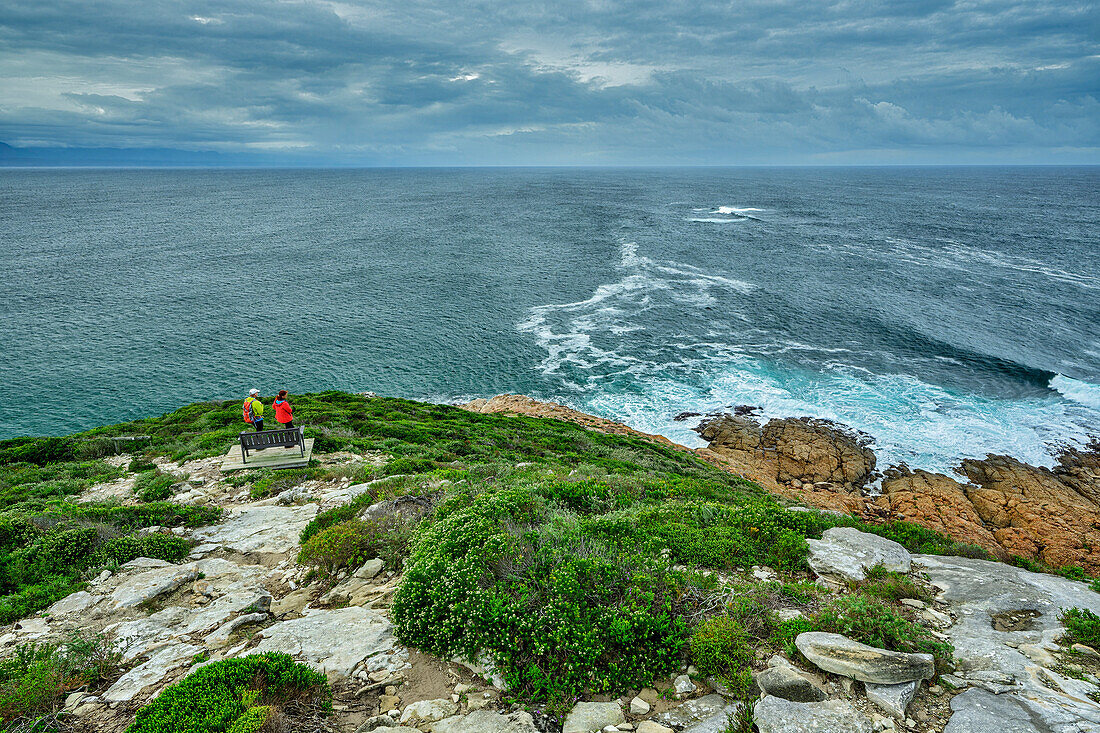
[(258, 424)]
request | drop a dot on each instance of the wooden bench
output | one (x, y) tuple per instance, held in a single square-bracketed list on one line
[(258, 440)]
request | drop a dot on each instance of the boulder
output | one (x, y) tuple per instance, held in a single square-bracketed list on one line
[(894, 699), (776, 715), (785, 682), (683, 685), (590, 717), (848, 553), (369, 569), (638, 706), (840, 655), (428, 711), (487, 721)]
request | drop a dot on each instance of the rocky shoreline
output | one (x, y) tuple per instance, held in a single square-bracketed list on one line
[(999, 504)]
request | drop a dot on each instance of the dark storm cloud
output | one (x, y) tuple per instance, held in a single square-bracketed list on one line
[(571, 82)]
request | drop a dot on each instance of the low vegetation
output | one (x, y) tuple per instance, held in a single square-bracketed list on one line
[(254, 693), (572, 560), (1082, 627), (35, 678)]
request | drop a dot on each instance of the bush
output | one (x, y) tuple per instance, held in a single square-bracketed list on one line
[(407, 466), (159, 546), (720, 647), (351, 543), (154, 485), (872, 622), (556, 612), (221, 697), (891, 586), (35, 678), (1082, 627)]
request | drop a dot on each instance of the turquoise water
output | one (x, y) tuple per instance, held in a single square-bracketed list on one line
[(947, 312)]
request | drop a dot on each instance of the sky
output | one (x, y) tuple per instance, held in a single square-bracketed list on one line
[(471, 82)]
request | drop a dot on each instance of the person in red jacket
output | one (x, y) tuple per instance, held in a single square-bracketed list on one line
[(284, 414)]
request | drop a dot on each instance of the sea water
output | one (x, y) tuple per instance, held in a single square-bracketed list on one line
[(948, 312)]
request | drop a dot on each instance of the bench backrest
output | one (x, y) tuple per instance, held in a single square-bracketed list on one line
[(268, 438)]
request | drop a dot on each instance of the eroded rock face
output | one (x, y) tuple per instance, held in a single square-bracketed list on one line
[(938, 502), (789, 449), (1032, 512), (1015, 665)]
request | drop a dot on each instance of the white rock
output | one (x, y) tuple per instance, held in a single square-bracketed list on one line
[(591, 717), (150, 672), (266, 529), (683, 685), (648, 726), (487, 721), (849, 554), (428, 711), (333, 641), (638, 706), (370, 569)]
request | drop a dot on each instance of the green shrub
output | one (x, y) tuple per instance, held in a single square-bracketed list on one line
[(1082, 627), (555, 611), (872, 622), (891, 586), (154, 485), (407, 466), (140, 465), (215, 698), (159, 546), (349, 544), (35, 678), (720, 647)]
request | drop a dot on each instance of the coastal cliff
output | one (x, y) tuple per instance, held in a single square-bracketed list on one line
[(519, 566)]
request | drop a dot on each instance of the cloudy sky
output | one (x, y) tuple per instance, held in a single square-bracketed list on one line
[(407, 82)]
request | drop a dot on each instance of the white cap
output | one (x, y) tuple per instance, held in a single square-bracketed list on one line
[(253, 391)]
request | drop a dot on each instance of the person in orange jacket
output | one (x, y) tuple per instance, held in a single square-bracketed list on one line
[(284, 414)]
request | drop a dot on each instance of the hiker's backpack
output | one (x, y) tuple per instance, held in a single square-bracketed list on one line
[(248, 411)]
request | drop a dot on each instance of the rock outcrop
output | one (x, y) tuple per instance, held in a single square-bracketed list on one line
[(805, 450)]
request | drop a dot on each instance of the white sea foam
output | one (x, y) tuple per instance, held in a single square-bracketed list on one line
[(716, 220), (613, 355), (736, 210), (1078, 391)]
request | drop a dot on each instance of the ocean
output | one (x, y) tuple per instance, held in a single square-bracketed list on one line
[(947, 312)]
